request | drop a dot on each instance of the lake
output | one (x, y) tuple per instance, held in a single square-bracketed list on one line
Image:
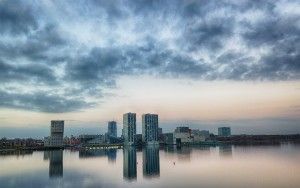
[(211, 167)]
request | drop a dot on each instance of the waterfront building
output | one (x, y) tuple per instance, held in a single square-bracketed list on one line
[(168, 138), (182, 135), (92, 139), (112, 129), (199, 136), (129, 128), (56, 138), (150, 128), (224, 131)]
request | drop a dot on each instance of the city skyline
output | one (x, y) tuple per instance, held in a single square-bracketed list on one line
[(203, 64)]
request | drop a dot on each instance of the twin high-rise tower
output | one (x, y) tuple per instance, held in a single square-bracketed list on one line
[(149, 128), (129, 128)]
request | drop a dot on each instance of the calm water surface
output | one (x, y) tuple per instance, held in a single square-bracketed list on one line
[(230, 166)]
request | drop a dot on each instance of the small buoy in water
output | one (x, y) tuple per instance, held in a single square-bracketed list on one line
[(174, 163)]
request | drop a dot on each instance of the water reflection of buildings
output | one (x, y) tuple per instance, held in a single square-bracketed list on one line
[(129, 163), (90, 153), (112, 155), (18, 153), (184, 153), (225, 150), (151, 166), (55, 158)]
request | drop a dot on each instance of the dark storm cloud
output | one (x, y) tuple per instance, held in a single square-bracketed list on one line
[(36, 46), (41, 101), (80, 48), (15, 17), (100, 64), (26, 73), (208, 35)]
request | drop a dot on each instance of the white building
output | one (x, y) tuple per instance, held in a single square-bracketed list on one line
[(150, 128), (56, 138), (129, 128)]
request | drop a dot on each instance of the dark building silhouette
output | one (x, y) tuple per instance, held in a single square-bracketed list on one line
[(55, 163), (112, 129), (224, 131), (151, 167), (129, 163)]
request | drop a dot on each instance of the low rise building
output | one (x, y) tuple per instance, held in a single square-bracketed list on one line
[(200, 136), (182, 135), (92, 139), (168, 138)]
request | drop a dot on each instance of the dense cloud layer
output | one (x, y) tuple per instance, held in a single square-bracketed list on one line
[(58, 56)]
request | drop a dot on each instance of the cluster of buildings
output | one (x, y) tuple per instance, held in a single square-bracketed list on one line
[(20, 143), (151, 133)]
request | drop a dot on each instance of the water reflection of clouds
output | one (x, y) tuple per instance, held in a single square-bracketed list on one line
[(274, 163)]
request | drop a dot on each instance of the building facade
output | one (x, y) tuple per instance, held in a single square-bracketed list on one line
[(182, 135), (200, 136), (224, 131), (56, 138), (91, 139), (129, 128), (168, 138), (112, 129), (150, 128)]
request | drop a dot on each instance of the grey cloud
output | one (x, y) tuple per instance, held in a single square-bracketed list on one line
[(41, 101), (282, 37), (87, 70), (100, 66), (36, 46), (26, 73), (16, 17), (209, 35)]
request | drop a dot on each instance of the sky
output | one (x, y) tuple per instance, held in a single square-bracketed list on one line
[(202, 64)]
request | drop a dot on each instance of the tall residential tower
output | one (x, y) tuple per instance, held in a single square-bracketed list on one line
[(129, 128), (150, 128), (56, 134)]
